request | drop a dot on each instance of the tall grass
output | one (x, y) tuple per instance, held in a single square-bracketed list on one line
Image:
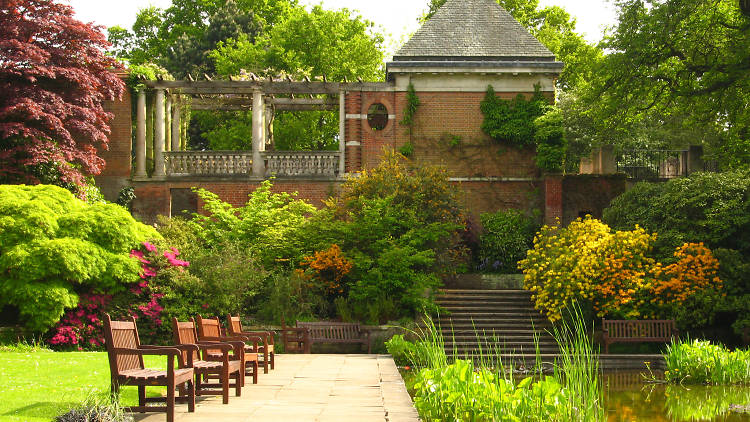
[(700, 362), (485, 391)]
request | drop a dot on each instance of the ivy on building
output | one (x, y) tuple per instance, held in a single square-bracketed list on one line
[(526, 123)]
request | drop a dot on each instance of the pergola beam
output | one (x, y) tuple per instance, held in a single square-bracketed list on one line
[(267, 87)]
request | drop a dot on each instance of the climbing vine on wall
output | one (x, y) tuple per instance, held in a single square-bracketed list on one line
[(525, 123)]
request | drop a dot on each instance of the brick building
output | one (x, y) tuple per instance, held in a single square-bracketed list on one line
[(465, 47)]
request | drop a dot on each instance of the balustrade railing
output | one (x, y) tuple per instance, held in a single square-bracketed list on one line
[(227, 163), (208, 163), (302, 163)]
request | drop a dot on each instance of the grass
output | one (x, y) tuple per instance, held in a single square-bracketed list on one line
[(38, 385)]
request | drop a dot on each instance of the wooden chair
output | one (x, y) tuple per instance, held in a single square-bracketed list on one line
[(209, 329), (234, 326), (295, 339), (186, 334), (125, 353)]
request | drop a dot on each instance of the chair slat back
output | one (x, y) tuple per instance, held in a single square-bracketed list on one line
[(122, 334), (209, 327), (234, 324), (185, 333)]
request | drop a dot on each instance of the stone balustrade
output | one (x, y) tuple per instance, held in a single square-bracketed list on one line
[(302, 163), (228, 163), (208, 163)]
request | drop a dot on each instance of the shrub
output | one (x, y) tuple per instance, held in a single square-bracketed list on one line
[(506, 237), (706, 207), (268, 225), (613, 272), (53, 244), (417, 353)]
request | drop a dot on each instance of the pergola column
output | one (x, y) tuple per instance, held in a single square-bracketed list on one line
[(259, 168), (176, 124), (140, 135), (168, 122), (159, 168), (342, 133)]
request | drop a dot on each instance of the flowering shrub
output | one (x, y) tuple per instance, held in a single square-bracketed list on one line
[(81, 327), (325, 271), (612, 272)]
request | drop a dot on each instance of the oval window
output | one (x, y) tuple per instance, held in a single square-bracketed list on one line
[(377, 116)]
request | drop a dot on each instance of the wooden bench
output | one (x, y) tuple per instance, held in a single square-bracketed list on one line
[(305, 334), (637, 331)]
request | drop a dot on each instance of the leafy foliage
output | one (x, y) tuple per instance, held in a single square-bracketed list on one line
[(506, 237), (675, 73), (54, 78), (412, 103), (614, 274), (512, 121), (52, 244), (705, 207), (700, 362)]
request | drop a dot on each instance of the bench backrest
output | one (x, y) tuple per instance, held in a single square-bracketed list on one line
[(663, 329), (185, 333), (332, 330), (121, 335)]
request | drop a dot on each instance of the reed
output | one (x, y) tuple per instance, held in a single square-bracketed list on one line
[(700, 362)]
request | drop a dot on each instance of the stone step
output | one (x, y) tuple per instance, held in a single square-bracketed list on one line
[(477, 308), (480, 296), (485, 291)]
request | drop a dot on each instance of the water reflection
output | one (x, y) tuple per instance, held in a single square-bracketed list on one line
[(628, 398)]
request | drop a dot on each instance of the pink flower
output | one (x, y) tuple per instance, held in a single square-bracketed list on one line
[(149, 247), (139, 256)]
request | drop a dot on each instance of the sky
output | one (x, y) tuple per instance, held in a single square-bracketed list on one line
[(396, 18)]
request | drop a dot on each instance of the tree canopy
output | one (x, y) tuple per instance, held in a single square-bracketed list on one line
[(54, 77), (676, 73)]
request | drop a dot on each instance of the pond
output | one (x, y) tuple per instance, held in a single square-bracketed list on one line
[(628, 397)]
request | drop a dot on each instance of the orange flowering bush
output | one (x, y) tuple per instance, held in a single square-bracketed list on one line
[(695, 271), (612, 272), (325, 271)]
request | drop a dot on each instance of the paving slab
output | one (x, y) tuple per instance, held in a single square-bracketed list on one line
[(314, 388)]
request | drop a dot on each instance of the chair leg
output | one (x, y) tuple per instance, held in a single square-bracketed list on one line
[(225, 384), (273, 359), (239, 376), (265, 361), (170, 401), (142, 396), (255, 372), (191, 396)]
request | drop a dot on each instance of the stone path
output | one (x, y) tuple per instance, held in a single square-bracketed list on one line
[(360, 388)]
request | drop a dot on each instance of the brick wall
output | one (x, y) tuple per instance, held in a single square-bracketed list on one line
[(116, 172), (491, 196), (589, 194)]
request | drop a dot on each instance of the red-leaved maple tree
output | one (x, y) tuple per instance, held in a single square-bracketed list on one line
[(54, 77)]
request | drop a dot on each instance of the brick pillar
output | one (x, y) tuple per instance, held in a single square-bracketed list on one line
[(353, 132), (553, 199)]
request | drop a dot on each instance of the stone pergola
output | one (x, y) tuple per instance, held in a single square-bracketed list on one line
[(263, 97)]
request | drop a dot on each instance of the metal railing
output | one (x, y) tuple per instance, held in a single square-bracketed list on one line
[(653, 164)]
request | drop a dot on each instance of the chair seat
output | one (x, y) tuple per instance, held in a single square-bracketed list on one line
[(261, 349), (155, 375)]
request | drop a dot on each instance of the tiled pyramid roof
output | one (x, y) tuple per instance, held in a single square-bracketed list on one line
[(473, 30)]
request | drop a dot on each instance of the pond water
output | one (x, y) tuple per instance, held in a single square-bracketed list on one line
[(628, 398)]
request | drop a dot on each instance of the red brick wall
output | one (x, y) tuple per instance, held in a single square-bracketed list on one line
[(553, 200), (373, 141), (116, 172), (482, 197), (590, 194)]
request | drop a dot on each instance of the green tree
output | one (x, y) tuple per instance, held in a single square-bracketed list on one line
[(53, 244), (676, 74)]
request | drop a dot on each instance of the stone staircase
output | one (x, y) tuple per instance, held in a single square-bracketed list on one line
[(500, 321)]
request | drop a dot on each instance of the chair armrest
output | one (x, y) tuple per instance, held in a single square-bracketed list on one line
[(267, 336)]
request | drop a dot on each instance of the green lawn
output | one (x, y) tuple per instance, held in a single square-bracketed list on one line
[(37, 386)]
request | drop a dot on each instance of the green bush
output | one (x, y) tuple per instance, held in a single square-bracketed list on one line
[(506, 237), (417, 353), (713, 208), (53, 245)]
